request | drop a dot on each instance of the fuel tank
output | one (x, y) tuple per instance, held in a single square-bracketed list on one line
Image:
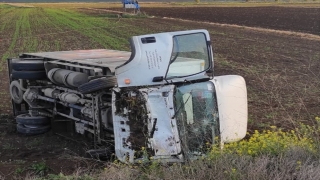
[(67, 77)]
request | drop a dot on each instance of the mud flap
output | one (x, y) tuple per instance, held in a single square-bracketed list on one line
[(232, 103)]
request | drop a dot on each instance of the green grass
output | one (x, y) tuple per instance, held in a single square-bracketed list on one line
[(19, 31), (5, 6), (6, 18), (36, 29), (92, 27), (39, 168), (22, 28)]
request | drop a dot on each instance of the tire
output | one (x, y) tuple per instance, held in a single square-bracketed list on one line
[(27, 119), (29, 75), (28, 64), (98, 84), (32, 131), (15, 92)]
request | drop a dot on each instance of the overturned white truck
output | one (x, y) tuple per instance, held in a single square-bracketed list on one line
[(162, 97)]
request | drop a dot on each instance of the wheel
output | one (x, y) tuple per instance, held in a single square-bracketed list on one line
[(27, 64), (29, 75), (98, 84), (16, 92), (27, 119), (32, 130)]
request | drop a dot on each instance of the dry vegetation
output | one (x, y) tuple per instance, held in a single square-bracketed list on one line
[(281, 69)]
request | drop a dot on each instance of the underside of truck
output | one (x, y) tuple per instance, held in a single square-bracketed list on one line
[(46, 94)]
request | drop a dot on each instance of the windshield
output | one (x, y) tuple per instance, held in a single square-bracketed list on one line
[(189, 56), (197, 116)]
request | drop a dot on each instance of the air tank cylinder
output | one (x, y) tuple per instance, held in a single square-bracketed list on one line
[(69, 98), (67, 77)]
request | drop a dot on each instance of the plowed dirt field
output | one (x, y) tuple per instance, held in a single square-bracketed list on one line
[(281, 18), (298, 19), (281, 68)]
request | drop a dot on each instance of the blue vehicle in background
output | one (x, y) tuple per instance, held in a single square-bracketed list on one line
[(131, 4)]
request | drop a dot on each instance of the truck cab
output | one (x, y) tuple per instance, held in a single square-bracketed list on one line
[(159, 101)]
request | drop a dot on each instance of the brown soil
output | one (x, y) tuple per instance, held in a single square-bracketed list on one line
[(297, 19), (20, 153), (282, 18), (281, 72)]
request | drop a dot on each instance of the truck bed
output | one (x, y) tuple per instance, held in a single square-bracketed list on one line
[(94, 57)]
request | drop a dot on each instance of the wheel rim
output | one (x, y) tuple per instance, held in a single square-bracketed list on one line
[(15, 92)]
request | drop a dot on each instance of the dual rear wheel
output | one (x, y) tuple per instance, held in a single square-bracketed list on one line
[(27, 69), (32, 125)]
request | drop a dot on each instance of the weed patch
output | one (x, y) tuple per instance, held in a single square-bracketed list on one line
[(39, 168)]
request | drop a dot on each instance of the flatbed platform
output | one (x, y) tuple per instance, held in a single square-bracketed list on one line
[(94, 57)]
